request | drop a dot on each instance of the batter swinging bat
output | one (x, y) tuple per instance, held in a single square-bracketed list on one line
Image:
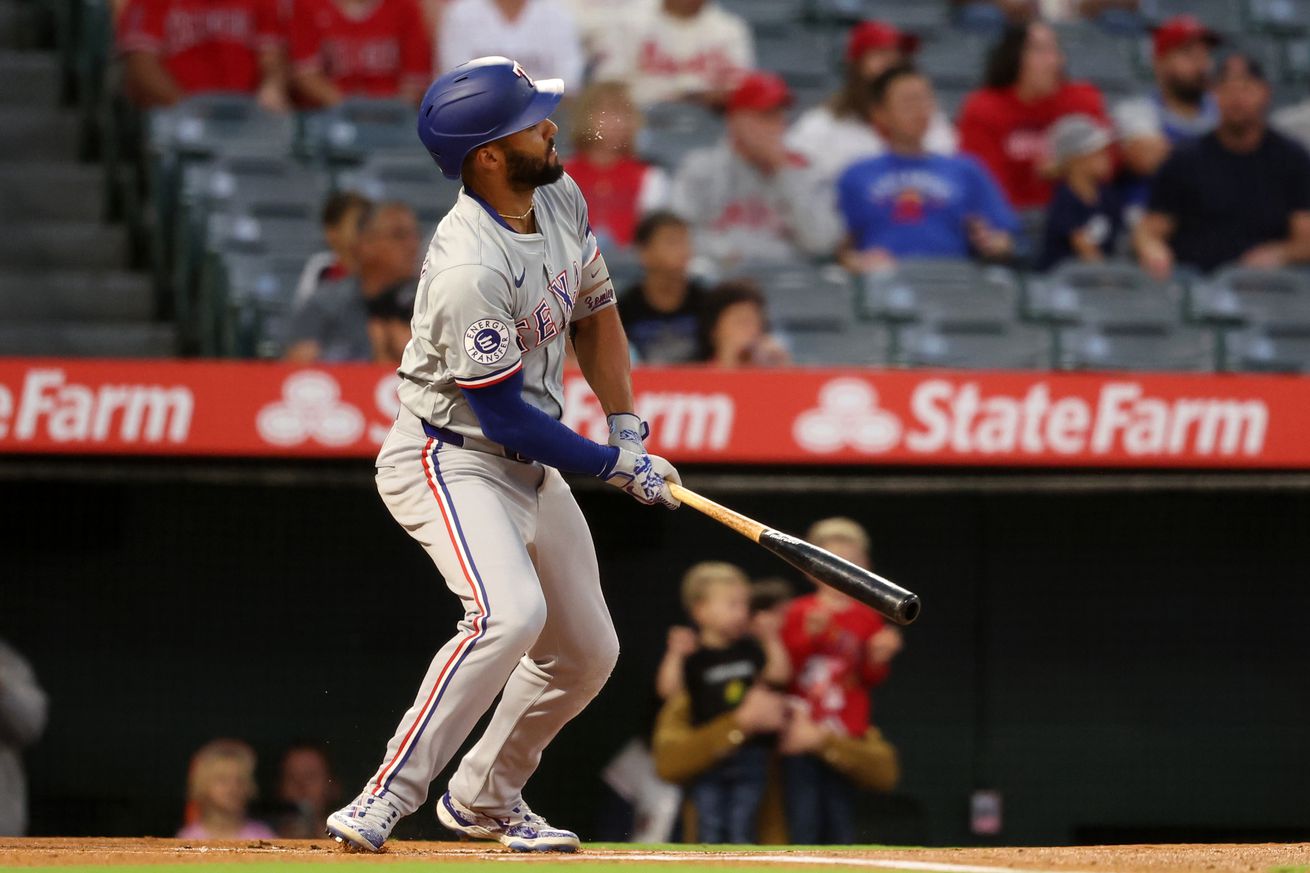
[(888, 598)]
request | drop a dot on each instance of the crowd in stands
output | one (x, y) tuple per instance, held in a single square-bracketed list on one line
[(767, 721), (1036, 168)]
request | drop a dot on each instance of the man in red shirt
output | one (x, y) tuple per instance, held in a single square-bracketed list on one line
[(1004, 123), (369, 48), (840, 649), (172, 48)]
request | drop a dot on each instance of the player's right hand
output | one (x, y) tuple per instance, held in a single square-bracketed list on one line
[(645, 477)]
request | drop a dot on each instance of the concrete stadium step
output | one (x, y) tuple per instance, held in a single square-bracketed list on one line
[(28, 132), (62, 245), (89, 340), (79, 295), (29, 78), (40, 191)]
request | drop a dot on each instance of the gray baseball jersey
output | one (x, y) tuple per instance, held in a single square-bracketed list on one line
[(492, 302)]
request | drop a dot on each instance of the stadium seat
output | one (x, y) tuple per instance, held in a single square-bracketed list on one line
[(1222, 15), (856, 345), (1159, 348), (1108, 294), (999, 345), (802, 56), (209, 124), (674, 129), (766, 15), (410, 179), (1270, 349), (1099, 56), (1241, 295), (357, 128), (955, 60), (802, 296), (947, 290), (255, 294), (1282, 17)]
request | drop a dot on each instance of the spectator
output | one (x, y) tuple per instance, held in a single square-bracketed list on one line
[(23, 708), (1183, 62), (1085, 217), (662, 313), (334, 323), (307, 789), (220, 787), (174, 48), (840, 649), (771, 594), (1024, 92), (618, 185), (1238, 194), (836, 134), (747, 197), (540, 34), (716, 672), (608, 26), (340, 229), (909, 203), (1143, 147), (365, 48), (736, 328), (682, 50)]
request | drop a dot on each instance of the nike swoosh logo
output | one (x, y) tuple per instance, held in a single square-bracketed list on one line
[(518, 283)]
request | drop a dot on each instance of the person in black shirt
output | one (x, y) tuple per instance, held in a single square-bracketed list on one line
[(661, 314), (726, 661), (1240, 194)]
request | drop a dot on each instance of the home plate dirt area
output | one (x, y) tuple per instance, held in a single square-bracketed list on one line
[(154, 854)]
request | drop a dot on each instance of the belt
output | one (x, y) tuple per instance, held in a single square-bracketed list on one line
[(450, 438)]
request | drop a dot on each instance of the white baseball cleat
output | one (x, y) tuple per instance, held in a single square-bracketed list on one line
[(364, 823), (522, 830)]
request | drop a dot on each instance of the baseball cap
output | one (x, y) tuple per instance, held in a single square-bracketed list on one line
[(1076, 135), (759, 91), (871, 35), (1181, 30)]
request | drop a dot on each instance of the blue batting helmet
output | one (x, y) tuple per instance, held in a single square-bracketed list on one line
[(478, 102)]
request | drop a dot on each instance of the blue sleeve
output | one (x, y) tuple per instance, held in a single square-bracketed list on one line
[(852, 210), (506, 418), (989, 202)]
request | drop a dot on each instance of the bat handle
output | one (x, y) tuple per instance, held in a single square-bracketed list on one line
[(747, 527)]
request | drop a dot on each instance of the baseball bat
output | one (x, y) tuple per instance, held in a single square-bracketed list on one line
[(885, 596)]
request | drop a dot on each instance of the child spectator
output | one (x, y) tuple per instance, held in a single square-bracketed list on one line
[(540, 34), (174, 48), (725, 663), (681, 50), (1085, 217), (1143, 148), (366, 48), (220, 786), (618, 185), (307, 790), (839, 649), (736, 328), (341, 231), (662, 313), (1024, 92), (909, 203)]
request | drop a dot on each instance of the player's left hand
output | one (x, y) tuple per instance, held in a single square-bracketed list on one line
[(628, 431), (646, 477)]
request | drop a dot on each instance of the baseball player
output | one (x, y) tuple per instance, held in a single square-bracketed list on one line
[(471, 467)]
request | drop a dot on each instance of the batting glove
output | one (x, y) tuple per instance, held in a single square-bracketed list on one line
[(627, 431), (645, 477)]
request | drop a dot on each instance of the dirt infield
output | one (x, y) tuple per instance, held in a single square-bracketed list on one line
[(1284, 858)]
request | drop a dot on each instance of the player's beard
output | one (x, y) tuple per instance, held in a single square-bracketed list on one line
[(527, 171)]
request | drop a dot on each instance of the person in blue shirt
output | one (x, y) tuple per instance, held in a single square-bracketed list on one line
[(1085, 217), (909, 203)]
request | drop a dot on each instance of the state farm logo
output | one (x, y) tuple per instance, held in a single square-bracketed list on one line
[(311, 408), (847, 416)]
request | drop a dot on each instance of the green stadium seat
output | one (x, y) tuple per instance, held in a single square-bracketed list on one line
[(1144, 347), (977, 345), (802, 296), (1268, 349), (1115, 294), (410, 179), (357, 128), (855, 345), (944, 291), (1241, 295)]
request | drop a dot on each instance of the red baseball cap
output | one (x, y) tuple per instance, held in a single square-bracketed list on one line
[(870, 35), (1181, 30), (759, 91)]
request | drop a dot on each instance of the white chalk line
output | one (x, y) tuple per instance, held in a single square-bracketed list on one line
[(784, 858)]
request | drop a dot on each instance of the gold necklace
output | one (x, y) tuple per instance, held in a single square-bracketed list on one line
[(518, 217)]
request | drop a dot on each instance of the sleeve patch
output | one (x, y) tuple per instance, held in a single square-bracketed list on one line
[(487, 340)]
